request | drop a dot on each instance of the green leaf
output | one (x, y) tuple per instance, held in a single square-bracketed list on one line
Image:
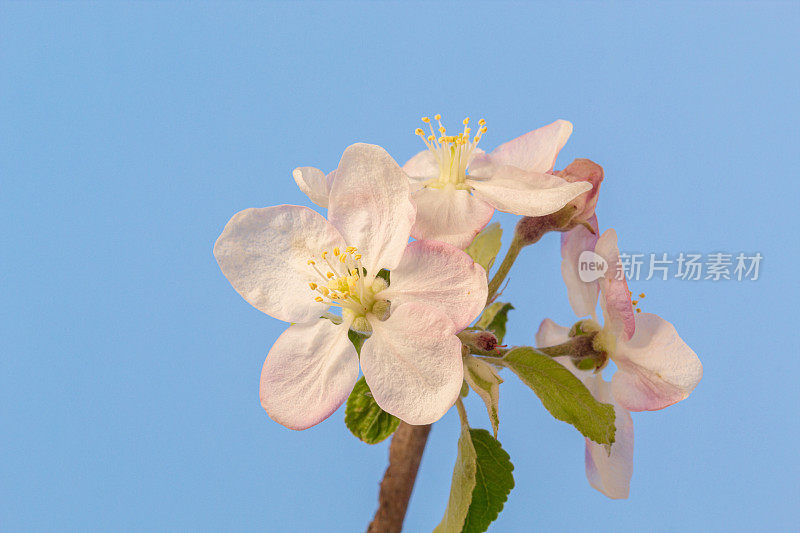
[(485, 381), (481, 481), (563, 394), (462, 485), (493, 481), (494, 319), (484, 247), (365, 419)]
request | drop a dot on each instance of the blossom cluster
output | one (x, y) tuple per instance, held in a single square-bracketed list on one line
[(392, 283)]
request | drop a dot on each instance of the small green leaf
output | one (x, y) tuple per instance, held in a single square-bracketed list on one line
[(365, 419), (485, 381), (484, 247), (493, 481), (494, 319), (563, 394), (462, 485)]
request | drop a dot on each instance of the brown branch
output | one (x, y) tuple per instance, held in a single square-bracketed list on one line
[(405, 454)]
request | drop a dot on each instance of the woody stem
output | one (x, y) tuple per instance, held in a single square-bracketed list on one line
[(405, 454)]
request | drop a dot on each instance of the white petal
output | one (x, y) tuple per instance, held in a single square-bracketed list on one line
[(655, 368), (264, 254), (309, 372), (313, 182), (535, 151), (527, 193), (412, 363), (582, 294), (422, 166), (449, 215), (610, 473), (551, 334), (440, 275), (370, 205)]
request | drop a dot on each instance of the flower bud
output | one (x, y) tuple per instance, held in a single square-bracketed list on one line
[(576, 212), (479, 341), (582, 170)]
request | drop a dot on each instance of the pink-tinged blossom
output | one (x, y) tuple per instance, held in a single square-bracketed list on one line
[(456, 186), (655, 367), (293, 264)]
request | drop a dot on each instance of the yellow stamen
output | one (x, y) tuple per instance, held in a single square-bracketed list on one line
[(313, 286), (318, 299)]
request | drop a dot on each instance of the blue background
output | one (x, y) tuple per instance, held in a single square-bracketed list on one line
[(130, 133)]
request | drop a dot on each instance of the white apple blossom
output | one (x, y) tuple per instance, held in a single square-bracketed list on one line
[(293, 264), (457, 186), (654, 366)]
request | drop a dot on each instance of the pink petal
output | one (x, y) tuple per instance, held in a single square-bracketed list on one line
[(535, 151), (616, 296), (440, 275), (550, 334), (309, 372), (264, 254), (526, 193), (449, 215), (582, 294), (611, 473), (588, 171), (412, 363), (655, 368), (370, 205)]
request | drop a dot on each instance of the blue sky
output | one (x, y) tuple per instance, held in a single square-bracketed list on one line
[(130, 133)]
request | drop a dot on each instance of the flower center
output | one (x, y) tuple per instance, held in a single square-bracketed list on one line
[(453, 153), (341, 281)]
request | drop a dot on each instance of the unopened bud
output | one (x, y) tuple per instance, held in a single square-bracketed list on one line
[(479, 341), (531, 229)]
